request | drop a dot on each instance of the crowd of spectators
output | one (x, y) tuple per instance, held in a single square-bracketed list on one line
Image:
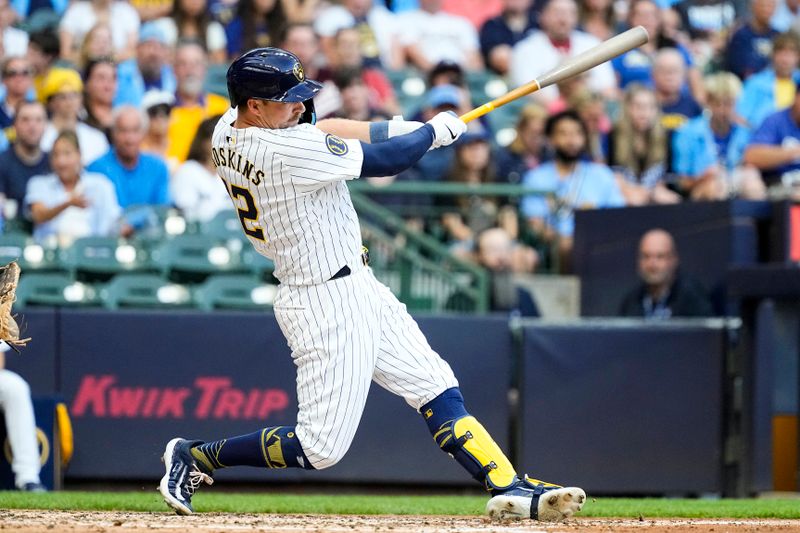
[(707, 110)]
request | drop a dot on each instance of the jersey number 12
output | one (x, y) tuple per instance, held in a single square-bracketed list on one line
[(248, 215)]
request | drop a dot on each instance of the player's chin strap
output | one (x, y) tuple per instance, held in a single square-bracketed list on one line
[(467, 441)]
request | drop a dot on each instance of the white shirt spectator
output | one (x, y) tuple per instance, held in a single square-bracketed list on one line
[(198, 193), (382, 22), (215, 34), (535, 55), (440, 36), (80, 17), (98, 219), (93, 142), (15, 42)]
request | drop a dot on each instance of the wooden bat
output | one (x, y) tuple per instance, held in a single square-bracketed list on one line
[(572, 66)]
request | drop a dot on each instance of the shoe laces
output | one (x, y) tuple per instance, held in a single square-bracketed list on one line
[(196, 477)]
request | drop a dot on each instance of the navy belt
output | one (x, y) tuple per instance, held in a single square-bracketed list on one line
[(345, 270)]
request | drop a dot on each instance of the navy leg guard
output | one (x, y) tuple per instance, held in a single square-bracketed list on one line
[(273, 447)]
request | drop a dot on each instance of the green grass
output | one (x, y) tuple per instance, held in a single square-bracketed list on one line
[(399, 504)]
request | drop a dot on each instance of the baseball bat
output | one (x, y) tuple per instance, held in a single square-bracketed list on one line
[(572, 66)]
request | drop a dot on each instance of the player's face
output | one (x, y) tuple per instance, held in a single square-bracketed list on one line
[(278, 115)]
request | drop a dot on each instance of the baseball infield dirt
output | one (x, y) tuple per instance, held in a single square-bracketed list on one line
[(96, 522)]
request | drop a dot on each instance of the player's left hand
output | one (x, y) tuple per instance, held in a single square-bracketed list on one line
[(447, 128)]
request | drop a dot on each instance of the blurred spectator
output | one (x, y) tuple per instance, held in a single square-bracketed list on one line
[(24, 158), (149, 70), (465, 216), (497, 252), (499, 34), (192, 103), (707, 23), (196, 189), (597, 17), (17, 409), (191, 21), (97, 44), (62, 92), (669, 78), (300, 11), (786, 16), (638, 150), (750, 46), (42, 53), (15, 41), (708, 150), (434, 165), (70, 203), (301, 40), (528, 149), (475, 11), (378, 31), (774, 148), (355, 96), (575, 184), (17, 87), (138, 178), (158, 105), (637, 65), (347, 55), (82, 15), (150, 10), (32, 9), (100, 79), (257, 23), (663, 292), (591, 108), (556, 40), (773, 88), (430, 35)]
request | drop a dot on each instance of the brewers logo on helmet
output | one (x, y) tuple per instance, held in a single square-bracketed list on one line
[(269, 74)]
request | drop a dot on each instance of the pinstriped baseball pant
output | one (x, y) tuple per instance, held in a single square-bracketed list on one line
[(344, 334)]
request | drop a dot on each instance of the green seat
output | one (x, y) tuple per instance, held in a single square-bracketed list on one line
[(257, 264), (154, 223), (216, 79), (234, 292), (190, 258), (99, 258), (21, 248), (52, 289), (144, 290), (224, 227)]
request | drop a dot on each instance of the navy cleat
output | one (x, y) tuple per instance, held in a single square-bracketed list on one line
[(531, 498), (183, 475)]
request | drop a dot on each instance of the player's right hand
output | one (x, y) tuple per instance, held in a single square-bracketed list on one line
[(447, 128)]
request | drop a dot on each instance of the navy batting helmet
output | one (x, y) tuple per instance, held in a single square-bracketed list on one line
[(269, 74)]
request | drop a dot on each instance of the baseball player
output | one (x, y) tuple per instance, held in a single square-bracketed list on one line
[(286, 177)]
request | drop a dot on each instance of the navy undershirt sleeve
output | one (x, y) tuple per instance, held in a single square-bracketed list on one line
[(394, 155)]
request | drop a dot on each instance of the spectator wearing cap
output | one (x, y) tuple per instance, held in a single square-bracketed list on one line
[(81, 16), (749, 47), (24, 158), (43, 49), (138, 178), (498, 35), (435, 164), (62, 92), (17, 87), (774, 148), (192, 103), (378, 30), (158, 105), (708, 150), (773, 88), (431, 35), (558, 38), (669, 79), (100, 85), (149, 70)]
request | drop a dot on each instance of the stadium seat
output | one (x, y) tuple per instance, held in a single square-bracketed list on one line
[(234, 292), (30, 256), (144, 290), (52, 289), (224, 227), (99, 258), (257, 264), (216, 79), (154, 223), (190, 258)]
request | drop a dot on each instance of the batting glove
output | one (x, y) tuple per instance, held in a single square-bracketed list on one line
[(447, 129)]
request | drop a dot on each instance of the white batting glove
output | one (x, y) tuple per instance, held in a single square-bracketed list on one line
[(447, 129), (398, 126)]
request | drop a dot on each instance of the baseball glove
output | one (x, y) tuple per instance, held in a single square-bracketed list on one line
[(9, 330)]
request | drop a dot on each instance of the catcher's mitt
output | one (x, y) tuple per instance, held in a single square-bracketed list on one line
[(9, 330)]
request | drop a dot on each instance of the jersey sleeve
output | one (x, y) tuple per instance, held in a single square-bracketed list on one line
[(313, 159)]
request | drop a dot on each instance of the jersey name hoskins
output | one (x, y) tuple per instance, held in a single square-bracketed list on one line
[(233, 160)]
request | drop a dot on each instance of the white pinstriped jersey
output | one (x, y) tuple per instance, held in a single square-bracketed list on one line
[(288, 188)]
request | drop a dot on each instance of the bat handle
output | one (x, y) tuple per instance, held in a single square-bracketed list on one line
[(477, 112)]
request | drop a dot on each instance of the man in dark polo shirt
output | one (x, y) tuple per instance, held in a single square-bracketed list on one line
[(24, 158)]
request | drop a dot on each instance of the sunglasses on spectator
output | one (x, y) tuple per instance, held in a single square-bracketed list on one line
[(13, 73), (161, 109)]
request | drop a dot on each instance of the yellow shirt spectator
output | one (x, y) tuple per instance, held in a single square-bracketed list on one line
[(184, 120)]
